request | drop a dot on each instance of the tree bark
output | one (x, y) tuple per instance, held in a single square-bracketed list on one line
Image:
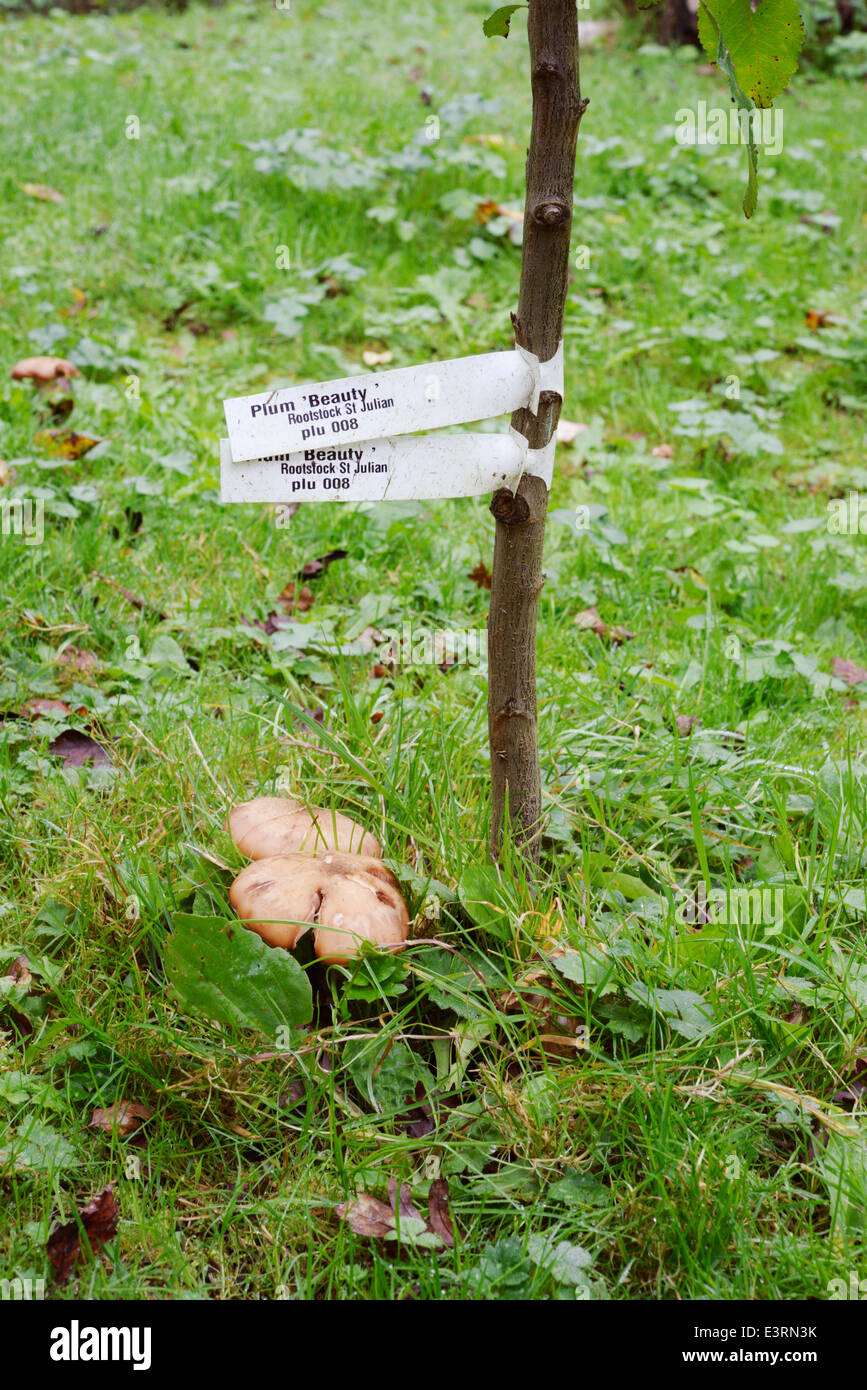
[(517, 571)]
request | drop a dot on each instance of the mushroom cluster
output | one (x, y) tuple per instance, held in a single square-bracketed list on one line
[(316, 869)]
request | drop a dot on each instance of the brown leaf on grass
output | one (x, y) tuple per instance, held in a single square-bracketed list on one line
[(847, 671), (481, 576), (37, 707), (19, 972), (816, 319), (122, 1118), (799, 1014), (77, 659), (401, 1202), (300, 602), (65, 444), (314, 568), (77, 749), (590, 621), (69, 1243), (42, 192), (439, 1216), (366, 1216)]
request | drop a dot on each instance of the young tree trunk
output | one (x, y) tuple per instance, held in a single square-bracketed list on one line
[(520, 516)]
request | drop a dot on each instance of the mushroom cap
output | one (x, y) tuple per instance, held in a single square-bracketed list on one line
[(277, 825), (43, 369), (348, 898)]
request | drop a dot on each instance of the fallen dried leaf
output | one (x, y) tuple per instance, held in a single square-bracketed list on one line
[(42, 191), (96, 1223), (36, 707), (847, 671), (19, 971), (481, 575), (122, 1118), (816, 319), (77, 749), (610, 632), (291, 602), (439, 1216), (314, 568), (66, 444), (366, 1215), (77, 659), (402, 1203)]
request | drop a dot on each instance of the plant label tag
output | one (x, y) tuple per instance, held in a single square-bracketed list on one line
[(376, 406), (445, 465)]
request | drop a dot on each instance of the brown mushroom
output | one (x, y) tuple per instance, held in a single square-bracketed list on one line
[(346, 898), (46, 372), (276, 825)]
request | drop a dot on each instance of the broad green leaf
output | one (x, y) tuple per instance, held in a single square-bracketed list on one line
[(497, 24), (221, 969), (764, 44), (585, 968), (386, 1075), (39, 1148), (580, 1189), (723, 60), (482, 893), (564, 1261)]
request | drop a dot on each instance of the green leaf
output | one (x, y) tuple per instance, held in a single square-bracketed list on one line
[(452, 981), (223, 970), (497, 24), (484, 897), (387, 1076), (763, 45), (580, 1189), (39, 1148), (564, 1261)]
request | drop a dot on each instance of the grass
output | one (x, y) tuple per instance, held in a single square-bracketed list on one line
[(681, 1140)]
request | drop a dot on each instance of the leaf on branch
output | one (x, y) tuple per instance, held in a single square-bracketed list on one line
[(497, 24), (763, 44)]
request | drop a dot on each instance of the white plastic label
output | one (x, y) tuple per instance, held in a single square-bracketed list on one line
[(335, 414), (444, 465)]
